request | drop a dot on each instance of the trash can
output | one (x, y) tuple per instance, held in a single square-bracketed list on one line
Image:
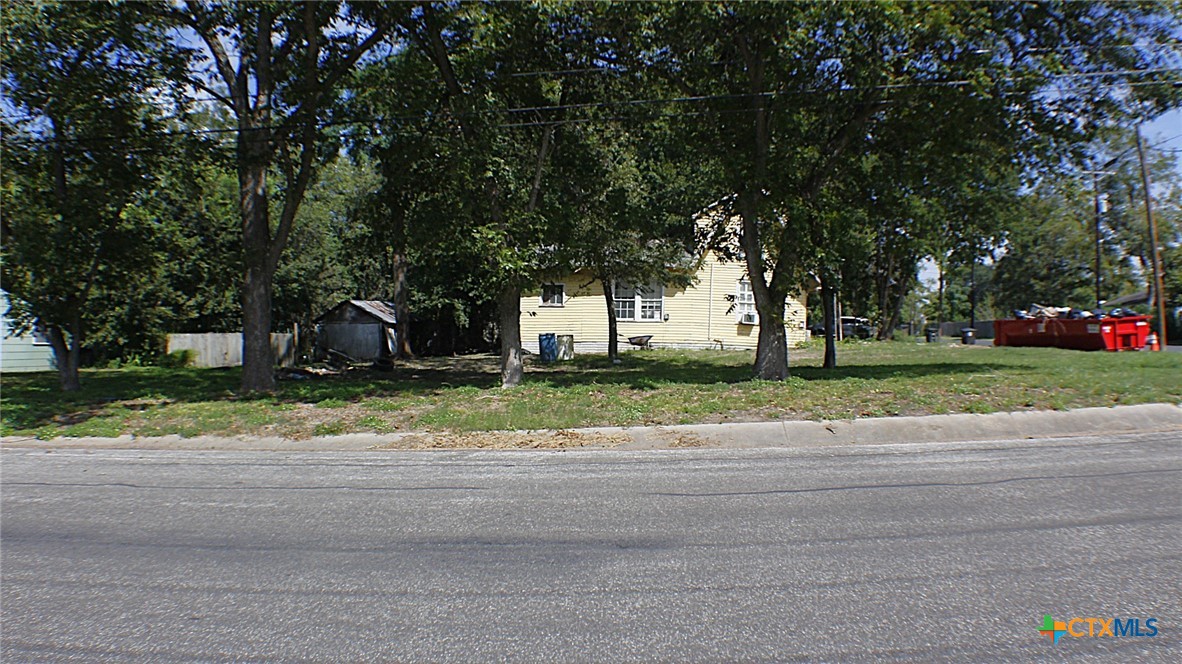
[(548, 347), (931, 334), (566, 347), (968, 336)]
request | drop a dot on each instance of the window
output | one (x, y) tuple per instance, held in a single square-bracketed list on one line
[(40, 338), (553, 295), (625, 297), (639, 302), (745, 303), (652, 302)]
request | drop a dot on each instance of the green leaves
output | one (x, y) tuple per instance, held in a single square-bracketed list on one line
[(83, 150)]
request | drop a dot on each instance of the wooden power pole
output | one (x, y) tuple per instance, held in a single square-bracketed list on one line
[(1160, 295)]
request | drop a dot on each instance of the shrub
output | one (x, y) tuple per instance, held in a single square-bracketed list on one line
[(178, 359)]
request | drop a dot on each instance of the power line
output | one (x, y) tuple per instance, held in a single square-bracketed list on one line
[(1167, 140), (616, 103)]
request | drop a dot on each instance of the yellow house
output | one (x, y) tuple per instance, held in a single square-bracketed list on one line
[(699, 316)]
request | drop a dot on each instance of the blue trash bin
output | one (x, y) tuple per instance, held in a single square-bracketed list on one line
[(548, 347)]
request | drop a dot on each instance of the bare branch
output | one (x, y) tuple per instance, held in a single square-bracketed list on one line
[(340, 69), (543, 154), (213, 92), (235, 81), (437, 51), (261, 108), (293, 196)]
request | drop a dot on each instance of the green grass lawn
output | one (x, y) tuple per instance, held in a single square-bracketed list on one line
[(655, 387)]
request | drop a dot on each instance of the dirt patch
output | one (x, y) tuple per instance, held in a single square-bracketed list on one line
[(507, 440), (683, 440)]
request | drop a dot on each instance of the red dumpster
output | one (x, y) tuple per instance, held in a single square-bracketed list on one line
[(1114, 334)]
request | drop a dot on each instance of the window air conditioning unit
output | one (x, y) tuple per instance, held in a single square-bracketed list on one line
[(747, 319)]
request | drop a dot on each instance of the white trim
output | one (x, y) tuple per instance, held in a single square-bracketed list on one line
[(745, 311), (600, 347), (638, 301)]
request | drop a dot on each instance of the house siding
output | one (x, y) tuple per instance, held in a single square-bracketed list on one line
[(21, 353), (697, 314)]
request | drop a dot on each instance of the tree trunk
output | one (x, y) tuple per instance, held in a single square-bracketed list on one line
[(829, 309), (973, 294), (258, 362), (940, 301), (509, 309), (771, 353), (771, 357), (884, 290), (402, 325), (893, 313), (896, 314), (65, 356), (613, 327)]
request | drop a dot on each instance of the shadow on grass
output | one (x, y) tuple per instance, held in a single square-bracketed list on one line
[(35, 400), (655, 373), (32, 401), (888, 371)]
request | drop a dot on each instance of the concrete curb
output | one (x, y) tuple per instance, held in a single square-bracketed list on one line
[(889, 430), (926, 429)]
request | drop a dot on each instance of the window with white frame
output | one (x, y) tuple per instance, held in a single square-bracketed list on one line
[(745, 303), (553, 295), (625, 298), (652, 301), (639, 303), (40, 338)]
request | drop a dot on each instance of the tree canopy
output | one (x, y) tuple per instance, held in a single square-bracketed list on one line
[(448, 155)]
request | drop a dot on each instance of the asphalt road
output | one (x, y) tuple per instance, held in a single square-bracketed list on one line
[(923, 552)]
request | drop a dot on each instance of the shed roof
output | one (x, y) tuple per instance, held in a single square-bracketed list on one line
[(1125, 300), (383, 311)]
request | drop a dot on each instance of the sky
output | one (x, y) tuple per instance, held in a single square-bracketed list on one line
[(1168, 126)]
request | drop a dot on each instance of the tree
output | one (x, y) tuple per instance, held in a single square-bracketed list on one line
[(1048, 253), (201, 200), (317, 271), (82, 149), (793, 91), (507, 125), (1052, 244), (1124, 235), (277, 68), (408, 224), (933, 190), (632, 192)]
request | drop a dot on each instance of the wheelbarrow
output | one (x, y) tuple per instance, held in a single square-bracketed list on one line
[(641, 341)]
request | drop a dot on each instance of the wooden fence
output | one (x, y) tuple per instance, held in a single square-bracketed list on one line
[(218, 349)]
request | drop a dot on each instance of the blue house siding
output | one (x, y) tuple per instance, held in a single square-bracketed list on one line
[(23, 352)]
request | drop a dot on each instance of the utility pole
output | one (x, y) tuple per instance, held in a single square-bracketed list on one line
[(940, 301), (1096, 201), (1154, 252), (973, 293), (1099, 209)]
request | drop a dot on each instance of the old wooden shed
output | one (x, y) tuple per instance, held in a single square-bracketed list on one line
[(362, 329)]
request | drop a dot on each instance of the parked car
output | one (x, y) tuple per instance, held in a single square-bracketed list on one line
[(852, 327)]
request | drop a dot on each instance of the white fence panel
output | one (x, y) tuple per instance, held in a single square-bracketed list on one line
[(224, 349)]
